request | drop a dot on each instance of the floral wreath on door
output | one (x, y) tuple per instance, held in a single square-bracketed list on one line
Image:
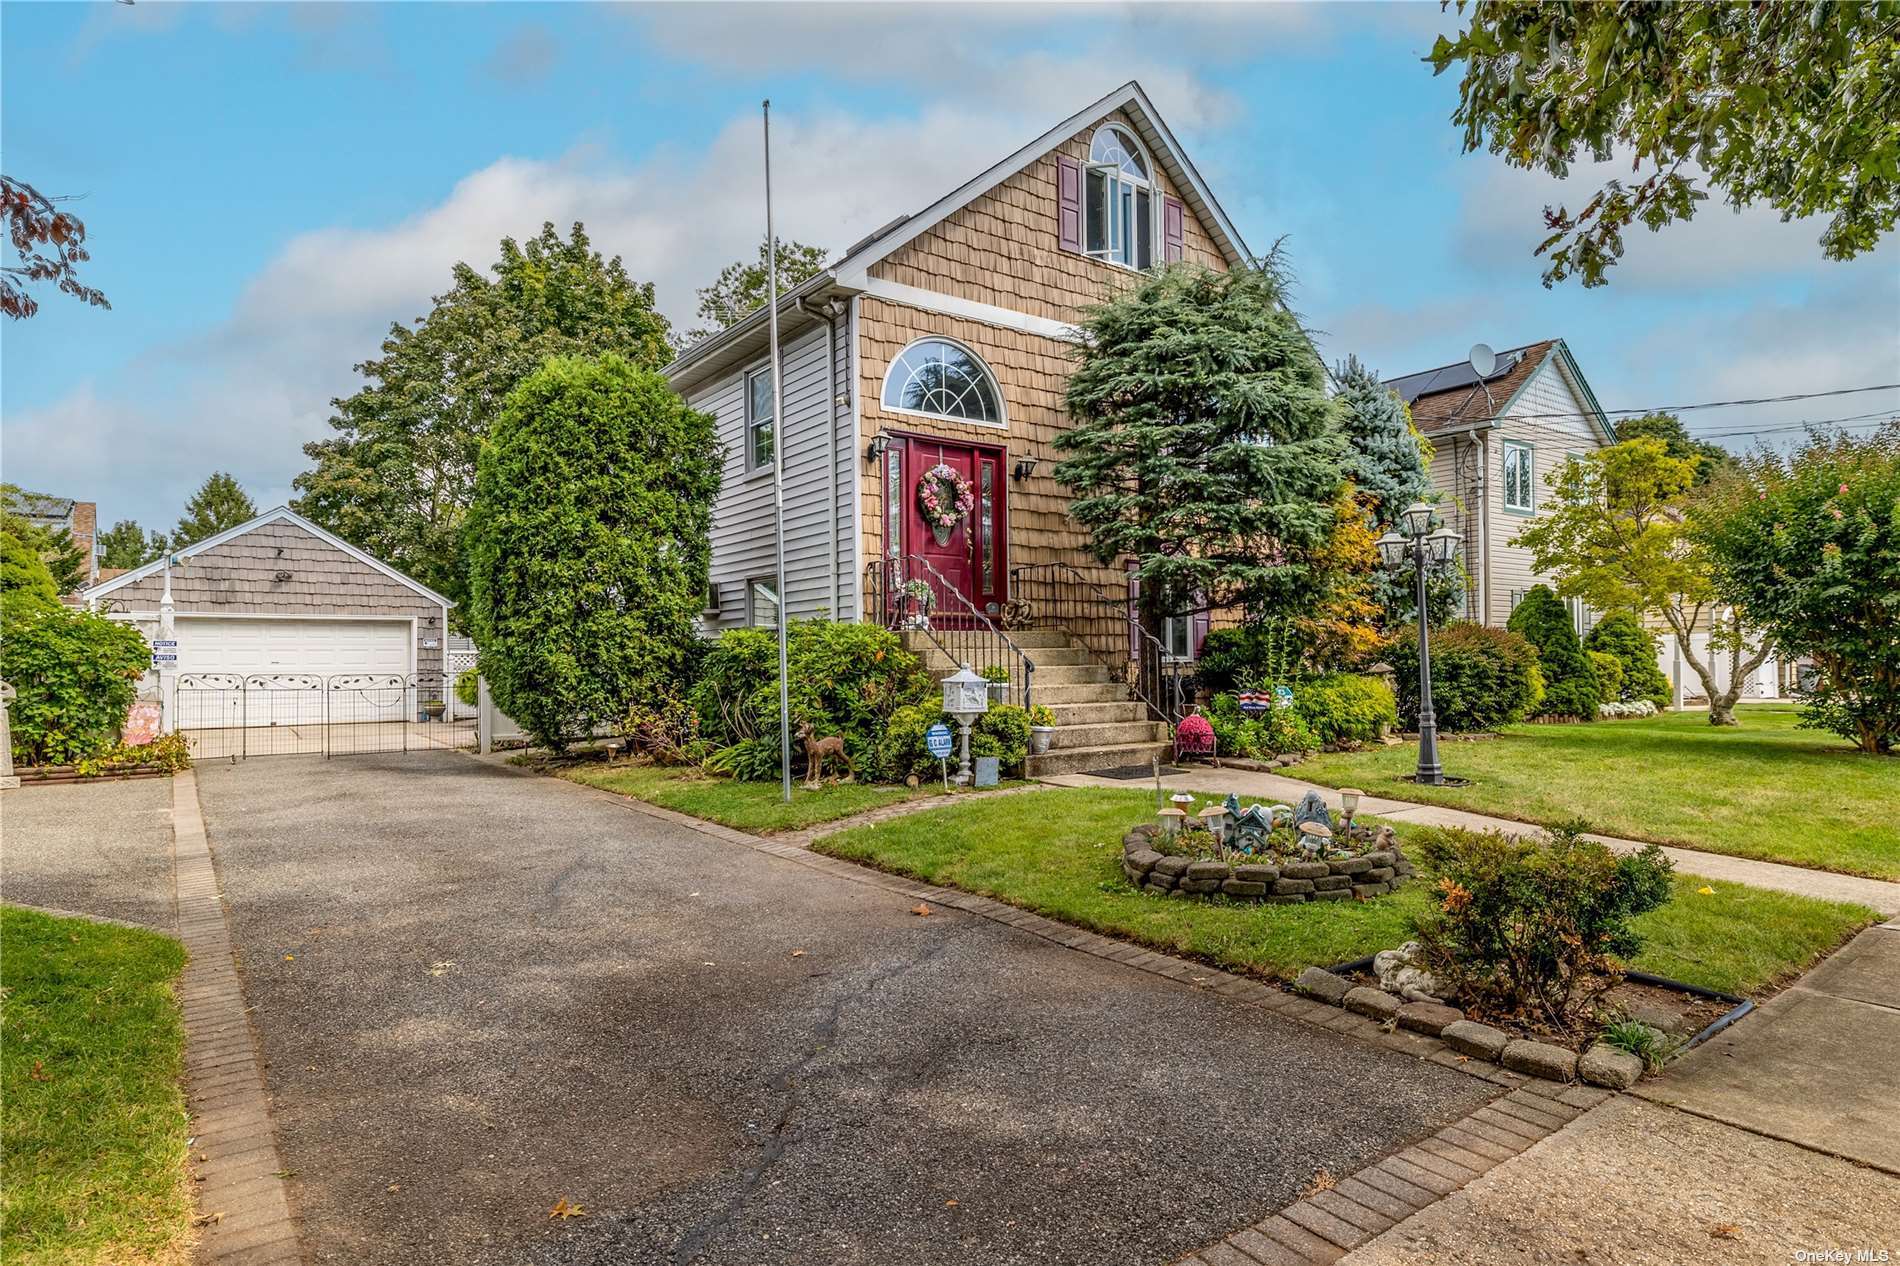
[(945, 499)]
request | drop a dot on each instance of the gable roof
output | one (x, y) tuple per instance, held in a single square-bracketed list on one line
[(1129, 98), (847, 275), (282, 514), (1454, 396)]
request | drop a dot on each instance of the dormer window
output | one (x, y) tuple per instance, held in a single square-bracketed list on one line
[(1118, 201)]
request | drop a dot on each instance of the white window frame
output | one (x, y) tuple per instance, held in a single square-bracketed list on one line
[(1119, 183), (1184, 625), (996, 386), (752, 424), (1529, 450), (752, 587)]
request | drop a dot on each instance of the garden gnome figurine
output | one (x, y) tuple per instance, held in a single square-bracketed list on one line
[(8, 779)]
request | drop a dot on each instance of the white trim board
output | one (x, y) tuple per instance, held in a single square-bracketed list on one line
[(282, 514), (968, 309)]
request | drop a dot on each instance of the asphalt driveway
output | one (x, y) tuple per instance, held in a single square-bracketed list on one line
[(481, 993)]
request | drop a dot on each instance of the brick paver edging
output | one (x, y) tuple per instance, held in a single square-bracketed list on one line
[(1327, 1224), (238, 1175)]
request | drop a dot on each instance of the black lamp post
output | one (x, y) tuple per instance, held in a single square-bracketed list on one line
[(1421, 549)]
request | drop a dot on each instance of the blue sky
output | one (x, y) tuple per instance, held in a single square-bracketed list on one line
[(267, 188)]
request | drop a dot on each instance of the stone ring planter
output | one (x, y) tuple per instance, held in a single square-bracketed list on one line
[(1278, 883)]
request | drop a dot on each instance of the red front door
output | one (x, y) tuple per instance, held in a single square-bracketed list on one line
[(968, 557)]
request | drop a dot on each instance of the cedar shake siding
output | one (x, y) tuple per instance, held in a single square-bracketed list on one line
[(1006, 247), (743, 541), (239, 577)]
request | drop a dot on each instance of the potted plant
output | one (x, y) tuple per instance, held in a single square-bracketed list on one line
[(1042, 729), (998, 677)]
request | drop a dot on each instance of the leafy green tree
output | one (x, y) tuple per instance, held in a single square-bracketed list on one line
[(741, 286), (74, 673), (219, 504), (1787, 104), (1571, 688), (126, 544), (1203, 443), (1810, 547), (22, 567), (64, 560), (588, 543), (398, 476), (1614, 532), (1711, 459), (1623, 637)]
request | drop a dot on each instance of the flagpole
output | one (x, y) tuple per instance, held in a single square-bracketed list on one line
[(778, 470)]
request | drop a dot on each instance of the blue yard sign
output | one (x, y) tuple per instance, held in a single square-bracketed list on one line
[(937, 741)]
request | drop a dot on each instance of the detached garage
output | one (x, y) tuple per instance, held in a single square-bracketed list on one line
[(285, 622)]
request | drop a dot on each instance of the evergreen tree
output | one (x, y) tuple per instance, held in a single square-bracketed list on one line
[(1203, 443), (219, 504), (126, 544), (588, 543), (1622, 635), (397, 477), (1571, 688)]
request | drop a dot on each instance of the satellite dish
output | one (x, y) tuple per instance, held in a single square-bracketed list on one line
[(1483, 360)]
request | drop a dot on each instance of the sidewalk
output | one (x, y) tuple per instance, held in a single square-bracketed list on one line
[(1776, 1135), (1877, 894)]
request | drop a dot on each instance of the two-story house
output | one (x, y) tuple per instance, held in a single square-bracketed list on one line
[(944, 340), (1495, 438)]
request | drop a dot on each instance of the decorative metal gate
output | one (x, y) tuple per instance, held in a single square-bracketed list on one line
[(224, 715)]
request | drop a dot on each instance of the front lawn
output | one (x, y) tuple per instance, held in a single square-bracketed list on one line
[(743, 806), (1061, 856), (93, 1123), (1762, 789)]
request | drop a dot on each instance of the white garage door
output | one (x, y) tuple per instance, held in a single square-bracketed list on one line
[(303, 655), (323, 648)]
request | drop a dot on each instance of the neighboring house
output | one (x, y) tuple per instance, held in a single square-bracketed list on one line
[(280, 597), (946, 338), (63, 514), (1495, 438)]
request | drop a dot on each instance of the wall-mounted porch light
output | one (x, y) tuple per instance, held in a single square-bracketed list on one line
[(1025, 467), (875, 450)]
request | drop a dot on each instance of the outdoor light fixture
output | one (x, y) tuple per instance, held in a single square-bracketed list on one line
[(1171, 819), (1421, 549), (966, 697), (875, 450), (1349, 800), (1025, 467), (1214, 818)]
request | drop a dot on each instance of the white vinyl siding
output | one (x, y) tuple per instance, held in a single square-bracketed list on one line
[(1548, 392), (742, 522)]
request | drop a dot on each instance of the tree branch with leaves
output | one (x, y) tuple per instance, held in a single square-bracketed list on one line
[(49, 245)]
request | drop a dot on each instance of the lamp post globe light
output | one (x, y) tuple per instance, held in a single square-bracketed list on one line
[(1415, 545), (966, 696)]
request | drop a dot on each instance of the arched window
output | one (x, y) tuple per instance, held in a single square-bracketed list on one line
[(1119, 201), (943, 379)]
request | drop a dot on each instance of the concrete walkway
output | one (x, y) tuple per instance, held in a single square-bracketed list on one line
[(1877, 894)]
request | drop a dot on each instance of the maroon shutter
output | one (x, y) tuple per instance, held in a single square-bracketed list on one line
[(1200, 632), (1069, 204), (1173, 222)]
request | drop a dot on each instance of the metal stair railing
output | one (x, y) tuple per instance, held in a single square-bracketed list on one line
[(1058, 596), (907, 593)]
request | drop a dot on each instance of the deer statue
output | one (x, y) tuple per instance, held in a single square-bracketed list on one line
[(816, 749)]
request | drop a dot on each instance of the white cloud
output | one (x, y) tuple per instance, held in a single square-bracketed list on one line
[(525, 57)]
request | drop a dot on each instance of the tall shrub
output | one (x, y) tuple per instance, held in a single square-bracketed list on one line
[(1481, 677), (588, 543), (74, 674), (1571, 688), (1623, 635)]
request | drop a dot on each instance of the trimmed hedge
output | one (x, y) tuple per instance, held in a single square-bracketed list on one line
[(1261, 736), (1571, 689), (1346, 708), (1002, 732), (1482, 678), (1623, 635), (74, 673), (1609, 671)]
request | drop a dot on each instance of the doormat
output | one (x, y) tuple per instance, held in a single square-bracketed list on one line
[(1129, 773)]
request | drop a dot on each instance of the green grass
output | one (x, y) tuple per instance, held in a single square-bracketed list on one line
[(1762, 789), (743, 806), (93, 1123), (1059, 853)]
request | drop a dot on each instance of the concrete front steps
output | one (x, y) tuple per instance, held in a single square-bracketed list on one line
[(1097, 725)]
